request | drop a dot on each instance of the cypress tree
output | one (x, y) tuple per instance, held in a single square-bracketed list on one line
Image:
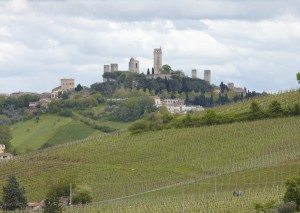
[(13, 195)]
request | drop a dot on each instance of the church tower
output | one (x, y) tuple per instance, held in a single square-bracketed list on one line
[(157, 56)]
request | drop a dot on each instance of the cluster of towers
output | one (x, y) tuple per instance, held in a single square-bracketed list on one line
[(207, 75), (157, 65)]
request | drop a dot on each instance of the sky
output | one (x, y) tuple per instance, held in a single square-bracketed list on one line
[(253, 43)]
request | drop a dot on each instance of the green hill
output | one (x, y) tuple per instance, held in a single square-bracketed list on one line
[(175, 170), (50, 129), (120, 165), (286, 99)]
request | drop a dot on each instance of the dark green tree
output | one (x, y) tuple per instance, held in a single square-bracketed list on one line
[(52, 205), (5, 135), (293, 191), (148, 71), (13, 195), (65, 95), (298, 77), (78, 88), (223, 87)]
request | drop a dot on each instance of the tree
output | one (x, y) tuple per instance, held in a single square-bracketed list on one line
[(5, 135), (52, 205), (13, 195), (148, 71), (65, 95), (78, 88), (139, 126), (82, 195), (165, 69), (293, 191), (275, 107), (298, 77), (255, 108)]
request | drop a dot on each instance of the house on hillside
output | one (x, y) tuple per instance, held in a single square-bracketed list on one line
[(3, 155), (175, 105), (65, 86)]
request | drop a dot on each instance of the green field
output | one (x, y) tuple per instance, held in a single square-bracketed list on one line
[(175, 170), (171, 164), (285, 98), (51, 129)]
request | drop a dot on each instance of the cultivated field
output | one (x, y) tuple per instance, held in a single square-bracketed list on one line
[(177, 170)]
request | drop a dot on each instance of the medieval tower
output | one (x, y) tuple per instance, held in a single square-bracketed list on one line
[(207, 76), (134, 65), (194, 73), (114, 67), (157, 56)]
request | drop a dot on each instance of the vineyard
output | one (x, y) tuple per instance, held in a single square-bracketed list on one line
[(286, 98), (177, 170)]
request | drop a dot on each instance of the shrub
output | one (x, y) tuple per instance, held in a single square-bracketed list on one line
[(139, 126), (292, 193)]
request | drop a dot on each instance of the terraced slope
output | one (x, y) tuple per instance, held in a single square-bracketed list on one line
[(167, 162), (285, 98), (51, 129)]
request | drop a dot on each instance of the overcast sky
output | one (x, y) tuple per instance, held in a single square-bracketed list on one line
[(254, 43)]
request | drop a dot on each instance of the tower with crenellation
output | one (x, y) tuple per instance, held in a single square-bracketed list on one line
[(157, 57)]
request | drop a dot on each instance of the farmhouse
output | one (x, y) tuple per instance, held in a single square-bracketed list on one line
[(175, 105), (65, 85), (4, 156)]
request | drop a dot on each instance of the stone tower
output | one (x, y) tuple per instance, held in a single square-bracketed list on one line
[(114, 67), (106, 68), (194, 73), (207, 76), (157, 57), (134, 65), (67, 84)]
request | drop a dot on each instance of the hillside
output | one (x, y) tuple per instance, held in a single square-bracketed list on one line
[(286, 99), (177, 162), (50, 129)]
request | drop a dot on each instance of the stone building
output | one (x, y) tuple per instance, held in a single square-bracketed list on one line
[(2, 148), (3, 155), (114, 67), (106, 68), (230, 86), (65, 86), (194, 73), (157, 57), (207, 76), (134, 65)]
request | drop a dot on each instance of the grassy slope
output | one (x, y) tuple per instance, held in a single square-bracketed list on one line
[(52, 129), (121, 165), (186, 166), (286, 99)]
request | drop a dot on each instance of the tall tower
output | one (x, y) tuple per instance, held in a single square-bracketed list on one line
[(114, 67), (67, 84), (194, 73), (207, 76), (157, 57), (134, 65), (106, 68)]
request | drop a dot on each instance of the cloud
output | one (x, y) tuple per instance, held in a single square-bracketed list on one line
[(253, 43)]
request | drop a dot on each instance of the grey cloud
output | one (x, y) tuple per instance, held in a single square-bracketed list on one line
[(134, 10)]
